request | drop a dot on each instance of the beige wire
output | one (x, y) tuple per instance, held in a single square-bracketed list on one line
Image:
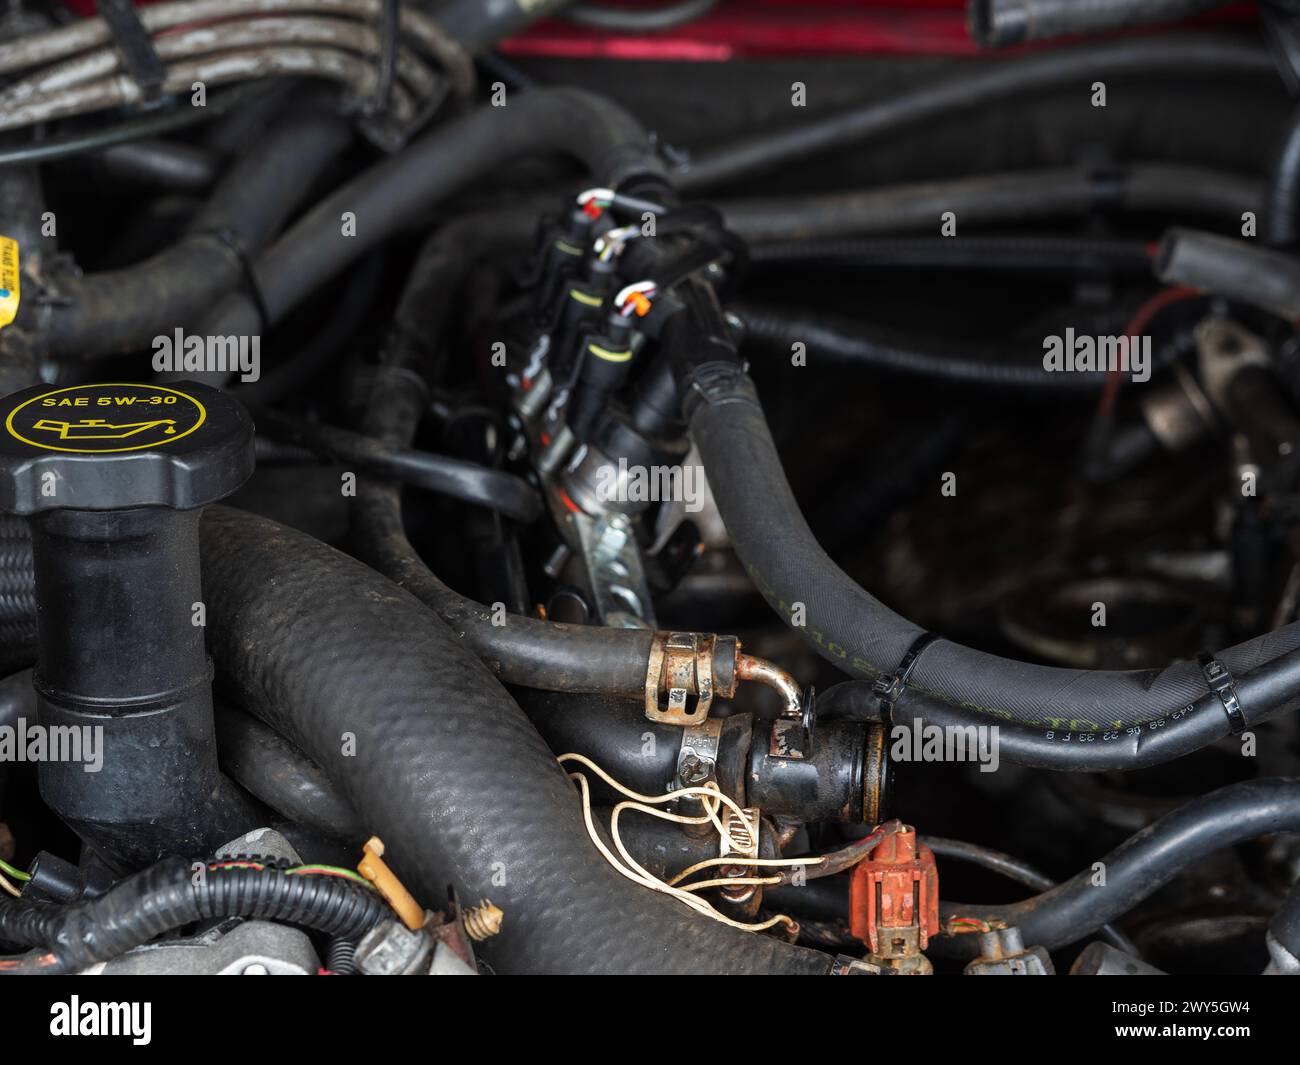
[(641, 876), (731, 881), (706, 793), (4, 883), (709, 862)]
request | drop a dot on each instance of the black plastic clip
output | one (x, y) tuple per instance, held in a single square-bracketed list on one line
[(1221, 683), (889, 689), (135, 46), (390, 14), (252, 286)]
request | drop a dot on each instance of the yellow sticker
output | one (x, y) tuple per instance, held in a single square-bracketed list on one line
[(9, 277)]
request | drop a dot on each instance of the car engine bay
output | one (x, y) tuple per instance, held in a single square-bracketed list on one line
[(685, 487)]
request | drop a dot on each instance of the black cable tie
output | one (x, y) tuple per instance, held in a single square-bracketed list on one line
[(386, 62), (889, 689), (135, 46), (251, 285), (1220, 681)]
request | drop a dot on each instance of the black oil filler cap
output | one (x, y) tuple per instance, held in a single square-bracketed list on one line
[(118, 446)]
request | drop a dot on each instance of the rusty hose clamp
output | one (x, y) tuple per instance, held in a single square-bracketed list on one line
[(680, 665)]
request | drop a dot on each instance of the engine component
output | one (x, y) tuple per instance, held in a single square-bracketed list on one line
[(112, 480), (1003, 953), (894, 901), (623, 558)]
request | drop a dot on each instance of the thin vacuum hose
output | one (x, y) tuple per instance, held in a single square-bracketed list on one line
[(1183, 56), (999, 23), (847, 344), (1012, 198), (1145, 862)]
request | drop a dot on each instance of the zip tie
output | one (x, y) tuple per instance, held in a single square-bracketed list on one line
[(889, 689), (386, 62), (1220, 682), (252, 287), (135, 46)]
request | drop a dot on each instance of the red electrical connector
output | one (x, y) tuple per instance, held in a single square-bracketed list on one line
[(894, 896)]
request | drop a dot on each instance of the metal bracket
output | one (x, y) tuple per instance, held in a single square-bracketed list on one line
[(697, 758), (680, 665)]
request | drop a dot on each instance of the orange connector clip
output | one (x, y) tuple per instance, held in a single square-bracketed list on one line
[(894, 896), (374, 869)]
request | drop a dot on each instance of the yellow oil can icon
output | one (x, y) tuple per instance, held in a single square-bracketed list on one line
[(99, 429)]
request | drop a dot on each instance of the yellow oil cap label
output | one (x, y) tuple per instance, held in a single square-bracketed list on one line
[(9, 280), (97, 419)]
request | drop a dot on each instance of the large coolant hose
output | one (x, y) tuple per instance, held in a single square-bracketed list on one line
[(116, 311), (1044, 710), (439, 761), (985, 84)]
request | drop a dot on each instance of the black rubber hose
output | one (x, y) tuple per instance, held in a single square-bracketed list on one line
[(1263, 277), (17, 700), (1018, 254), (439, 761), (479, 26), (384, 198), (1147, 861), (639, 19), (843, 343), (17, 587), (123, 310), (522, 651), (172, 165), (1285, 925), (999, 23), (273, 770), (1015, 197), (857, 633), (986, 84), (467, 481), (331, 337), (168, 896), (1281, 222), (1021, 872)]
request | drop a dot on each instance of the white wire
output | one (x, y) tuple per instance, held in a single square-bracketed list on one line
[(646, 880), (712, 800), (586, 196)]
